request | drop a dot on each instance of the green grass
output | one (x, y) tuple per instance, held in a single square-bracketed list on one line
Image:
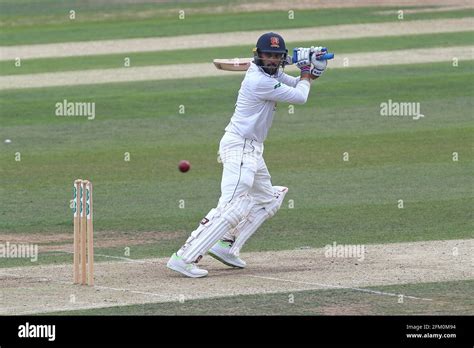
[(47, 9), (391, 158), (208, 54), (98, 25), (448, 298)]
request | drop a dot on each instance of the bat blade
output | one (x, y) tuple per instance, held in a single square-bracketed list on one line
[(236, 64)]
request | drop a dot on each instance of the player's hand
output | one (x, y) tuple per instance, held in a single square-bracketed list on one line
[(303, 56), (319, 66)]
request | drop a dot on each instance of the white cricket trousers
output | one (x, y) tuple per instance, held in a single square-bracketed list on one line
[(244, 170)]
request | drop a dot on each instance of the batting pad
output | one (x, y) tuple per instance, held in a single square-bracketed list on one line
[(212, 230), (258, 214)]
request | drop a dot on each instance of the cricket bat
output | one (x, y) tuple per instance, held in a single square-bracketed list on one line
[(242, 64)]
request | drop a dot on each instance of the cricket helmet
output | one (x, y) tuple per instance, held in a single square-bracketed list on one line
[(270, 43)]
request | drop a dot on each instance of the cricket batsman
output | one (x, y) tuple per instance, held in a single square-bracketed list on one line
[(248, 197)]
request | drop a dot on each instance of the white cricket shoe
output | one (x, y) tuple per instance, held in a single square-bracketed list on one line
[(177, 264), (221, 251)]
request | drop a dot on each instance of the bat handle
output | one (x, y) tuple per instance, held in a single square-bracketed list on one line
[(325, 56)]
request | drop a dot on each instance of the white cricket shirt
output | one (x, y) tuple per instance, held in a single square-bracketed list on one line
[(258, 95)]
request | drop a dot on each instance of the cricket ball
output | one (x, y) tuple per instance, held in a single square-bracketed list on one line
[(184, 166)]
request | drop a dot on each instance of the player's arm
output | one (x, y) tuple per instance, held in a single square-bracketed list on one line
[(271, 89), (292, 81), (288, 79)]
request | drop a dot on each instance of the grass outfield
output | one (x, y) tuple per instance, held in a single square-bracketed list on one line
[(448, 298), (189, 56), (391, 158), (21, 25)]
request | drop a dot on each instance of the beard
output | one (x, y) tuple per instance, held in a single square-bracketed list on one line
[(271, 69)]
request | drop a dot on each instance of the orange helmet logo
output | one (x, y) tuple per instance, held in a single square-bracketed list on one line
[(274, 42)]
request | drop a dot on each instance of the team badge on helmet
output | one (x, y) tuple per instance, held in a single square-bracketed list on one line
[(274, 42)]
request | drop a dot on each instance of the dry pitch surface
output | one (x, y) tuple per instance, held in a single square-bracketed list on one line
[(42, 289)]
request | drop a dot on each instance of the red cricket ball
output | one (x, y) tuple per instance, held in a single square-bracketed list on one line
[(184, 166)]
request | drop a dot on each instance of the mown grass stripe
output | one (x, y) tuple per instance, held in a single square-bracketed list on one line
[(170, 72), (192, 56), (170, 25)]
